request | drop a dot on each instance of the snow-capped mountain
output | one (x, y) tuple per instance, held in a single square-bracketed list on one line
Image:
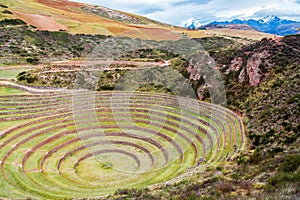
[(268, 19), (269, 24), (191, 23)]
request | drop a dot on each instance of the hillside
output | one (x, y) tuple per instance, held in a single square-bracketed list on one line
[(82, 18)]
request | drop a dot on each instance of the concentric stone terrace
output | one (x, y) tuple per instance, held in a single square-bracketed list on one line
[(70, 145)]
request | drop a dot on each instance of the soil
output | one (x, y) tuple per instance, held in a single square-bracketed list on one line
[(41, 22)]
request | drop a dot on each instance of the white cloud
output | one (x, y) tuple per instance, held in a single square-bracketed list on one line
[(176, 11)]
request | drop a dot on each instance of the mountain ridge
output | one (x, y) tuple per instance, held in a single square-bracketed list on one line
[(269, 24)]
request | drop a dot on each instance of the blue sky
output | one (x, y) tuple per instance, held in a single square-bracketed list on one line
[(177, 11)]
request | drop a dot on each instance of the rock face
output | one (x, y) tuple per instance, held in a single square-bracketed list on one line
[(111, 14), (252, 67), (194, 73), (236, 64), (254, 62)]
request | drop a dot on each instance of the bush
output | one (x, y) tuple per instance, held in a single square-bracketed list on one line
[(290, 163), (7, 12), (283, 178), (3, 6), (256, 157), (224, 187), (6, 22), (33, 61)]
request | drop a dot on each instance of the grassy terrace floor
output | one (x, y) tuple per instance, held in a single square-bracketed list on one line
[(56, 145)]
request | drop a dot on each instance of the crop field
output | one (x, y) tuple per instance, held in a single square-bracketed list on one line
[(10, 73), (59, 145)]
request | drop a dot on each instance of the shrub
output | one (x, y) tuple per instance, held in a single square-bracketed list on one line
[(3, 6), (7, 12), (283, 178), (6, 22), (224, 187), (290, 139), (33, 61), (290, 163), (275, 150), (219, 168), (256, 157)]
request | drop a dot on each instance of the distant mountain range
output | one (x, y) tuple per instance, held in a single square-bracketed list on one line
[(269, 24)]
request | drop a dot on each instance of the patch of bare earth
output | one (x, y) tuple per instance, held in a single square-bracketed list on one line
[(41, 22), (157, 34)]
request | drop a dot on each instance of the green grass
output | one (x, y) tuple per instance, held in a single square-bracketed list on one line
[(9, 124), (10, 73), (10, 91)]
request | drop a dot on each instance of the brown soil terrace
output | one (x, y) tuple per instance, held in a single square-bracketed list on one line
[(41, 22)]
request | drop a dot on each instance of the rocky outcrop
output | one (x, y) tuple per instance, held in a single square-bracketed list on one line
[(111, 14), (253, 66), (254, 62), (236, 64), (194, 73)]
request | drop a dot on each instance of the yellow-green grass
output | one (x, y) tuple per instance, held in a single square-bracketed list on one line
[(10, 73), (9, 124), (227, 32), (9, 91), (49, 156)]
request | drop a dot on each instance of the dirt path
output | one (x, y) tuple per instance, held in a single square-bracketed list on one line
[(109, 62), (29, 89), (89, 63), (9, 67)]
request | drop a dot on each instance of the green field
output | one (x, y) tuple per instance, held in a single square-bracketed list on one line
[(10, 73), (9, 91), (60, 147)]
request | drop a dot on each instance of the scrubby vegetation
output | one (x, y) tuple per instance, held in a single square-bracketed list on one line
[(24, 44), (7, 22)]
